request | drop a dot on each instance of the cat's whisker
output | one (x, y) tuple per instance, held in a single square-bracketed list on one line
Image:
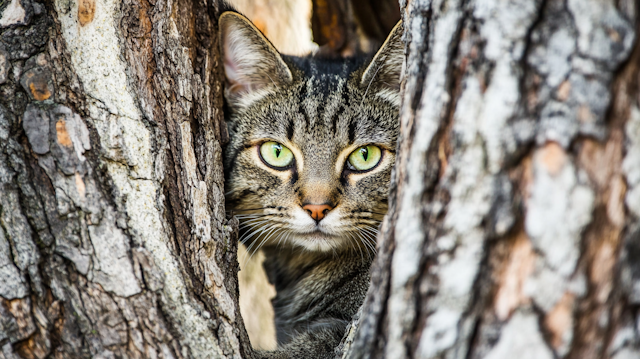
[(369, 85), (244, 235), (253, 223), (246, 220), (368, 237), (279, 238), (288, 235), (252, 253), (246, 209), (260, 226), (254, 219), (286, 238), (373, 231), (355, 240), (232, 191), (366, 248), (248, 249), (373, 228), (265, 239), (333, 248), (366, 241), (245, 226), (264, 228), (239, 216), (268, 237), (364, 227), (371, 244), (269, 228)]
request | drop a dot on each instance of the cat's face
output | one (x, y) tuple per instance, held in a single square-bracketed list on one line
[(312, 142)]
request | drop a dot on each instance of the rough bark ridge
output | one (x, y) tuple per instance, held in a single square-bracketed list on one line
[(514, 225), (113, 236)]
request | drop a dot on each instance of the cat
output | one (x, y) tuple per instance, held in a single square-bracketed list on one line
[(312, 146)]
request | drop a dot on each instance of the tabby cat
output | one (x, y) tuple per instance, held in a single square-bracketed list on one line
[(308, 168)]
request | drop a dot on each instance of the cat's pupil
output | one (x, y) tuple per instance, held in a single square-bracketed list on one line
[(278, 150), (364, 152)]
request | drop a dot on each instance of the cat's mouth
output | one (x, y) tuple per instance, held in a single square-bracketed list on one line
[(317, 240), (318, 234)]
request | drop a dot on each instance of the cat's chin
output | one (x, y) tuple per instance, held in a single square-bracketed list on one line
[(317, 241)]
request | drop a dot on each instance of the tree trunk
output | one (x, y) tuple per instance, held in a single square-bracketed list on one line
[(513, 229), (113, 235)]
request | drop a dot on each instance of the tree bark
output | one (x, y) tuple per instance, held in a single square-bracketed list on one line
[(513, 229), (113, 235)]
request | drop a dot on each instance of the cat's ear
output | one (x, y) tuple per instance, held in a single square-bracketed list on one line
[(383, 73), (251, 63)]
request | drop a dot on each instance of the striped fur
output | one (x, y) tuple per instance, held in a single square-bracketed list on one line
[(323, 112)]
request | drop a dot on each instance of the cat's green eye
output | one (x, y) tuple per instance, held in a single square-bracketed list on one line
[(364, 158), (275, 154)]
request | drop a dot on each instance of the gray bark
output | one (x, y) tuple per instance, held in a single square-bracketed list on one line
[(113, 235), (513, 229)]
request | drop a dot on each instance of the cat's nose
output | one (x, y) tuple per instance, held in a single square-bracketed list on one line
[(317, 211)]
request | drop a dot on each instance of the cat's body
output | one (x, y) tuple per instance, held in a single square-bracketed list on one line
[(317, 297), (308, 169)]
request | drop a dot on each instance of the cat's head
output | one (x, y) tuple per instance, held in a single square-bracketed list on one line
[(312, 141)]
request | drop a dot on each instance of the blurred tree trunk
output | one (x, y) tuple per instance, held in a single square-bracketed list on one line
[(352, 27), (286, 23), (113, 235), (513, 229)]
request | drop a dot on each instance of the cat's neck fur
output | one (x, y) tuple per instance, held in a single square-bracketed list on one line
[(311, 293)]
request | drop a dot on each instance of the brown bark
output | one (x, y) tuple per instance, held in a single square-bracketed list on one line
[(113, 235), (513, 222)]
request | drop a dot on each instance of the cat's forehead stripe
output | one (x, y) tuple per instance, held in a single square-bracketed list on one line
[(322, 111)]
